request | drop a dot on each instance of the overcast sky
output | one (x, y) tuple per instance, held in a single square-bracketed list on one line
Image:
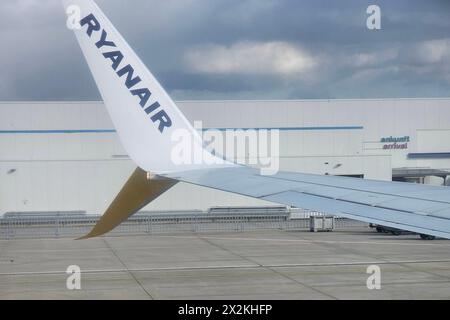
[(238, 49)]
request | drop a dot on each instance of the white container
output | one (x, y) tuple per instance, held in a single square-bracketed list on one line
[(321, 223)]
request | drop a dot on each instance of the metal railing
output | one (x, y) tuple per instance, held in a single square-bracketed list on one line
[(54, 225)]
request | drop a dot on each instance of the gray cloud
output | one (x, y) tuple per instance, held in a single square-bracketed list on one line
[(238, 49), (265, 58)]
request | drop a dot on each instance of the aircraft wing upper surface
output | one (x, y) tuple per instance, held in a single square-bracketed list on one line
[(418, 208)]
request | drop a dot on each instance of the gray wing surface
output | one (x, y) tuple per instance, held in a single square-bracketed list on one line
[(414, 207)]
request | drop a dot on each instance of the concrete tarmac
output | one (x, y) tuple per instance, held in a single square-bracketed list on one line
[(272, 264)]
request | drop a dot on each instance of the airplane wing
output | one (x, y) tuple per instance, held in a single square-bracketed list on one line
[(418, 208), (148, 123)]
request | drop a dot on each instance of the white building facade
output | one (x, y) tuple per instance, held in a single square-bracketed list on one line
[(66, 156)]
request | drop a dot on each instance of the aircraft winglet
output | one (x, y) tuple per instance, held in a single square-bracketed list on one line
[(144, 115), (137, 192)]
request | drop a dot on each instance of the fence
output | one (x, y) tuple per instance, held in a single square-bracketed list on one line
[(54, 225)]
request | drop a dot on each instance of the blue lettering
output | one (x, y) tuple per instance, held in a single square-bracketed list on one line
[(103, 42), (116, 58), (129, 70), (164, 120), (92, 22), (143, 93), (152, 108)]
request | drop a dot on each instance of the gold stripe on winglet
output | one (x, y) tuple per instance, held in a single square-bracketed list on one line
[(137, 192)]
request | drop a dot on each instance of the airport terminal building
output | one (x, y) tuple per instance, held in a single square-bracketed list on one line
[(66, 156)]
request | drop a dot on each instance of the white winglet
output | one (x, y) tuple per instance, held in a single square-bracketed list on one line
[(147, 120)]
